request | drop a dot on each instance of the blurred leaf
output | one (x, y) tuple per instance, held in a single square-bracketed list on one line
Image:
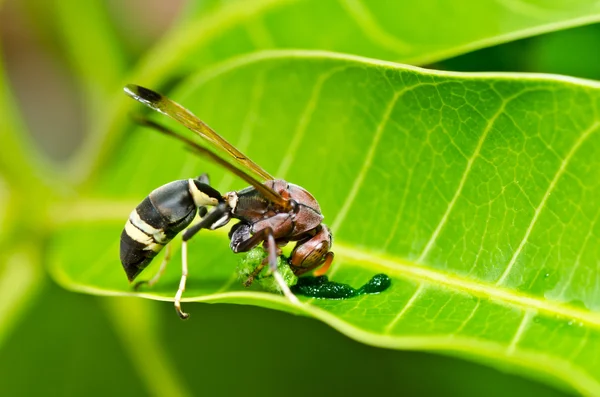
[(475, 193), (570, 52), (69, 343), (94, 52), (20, 282), (20, 268), (134, 322), (64, 347), (4, 200), (93, 48), (196, 8), (15, 151), (420, 33)]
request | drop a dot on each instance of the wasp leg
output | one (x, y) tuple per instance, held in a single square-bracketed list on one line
[(255, 272), (184, 273), (159, 273), (214, 217), (272, 247), (240, 233), (266, 235)]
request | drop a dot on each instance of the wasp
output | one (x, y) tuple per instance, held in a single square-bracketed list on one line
[(272, 212)]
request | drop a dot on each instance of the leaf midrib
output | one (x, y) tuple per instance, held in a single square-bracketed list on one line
[(406, 269), (376, 262)]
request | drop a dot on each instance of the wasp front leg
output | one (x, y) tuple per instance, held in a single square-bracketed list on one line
[(159, 273), (242, 241), (216, 218)]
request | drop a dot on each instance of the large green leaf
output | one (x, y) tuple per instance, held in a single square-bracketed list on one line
[(475, 193), (419, 33), (88, 53), (20, 268), (15, 151), (415, 33)]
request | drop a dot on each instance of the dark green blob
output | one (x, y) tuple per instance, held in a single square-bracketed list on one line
[(379, 283), (314, 287), (322, 288)]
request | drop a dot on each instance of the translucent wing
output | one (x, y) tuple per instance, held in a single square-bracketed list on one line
[(164, 105), (265, 191)]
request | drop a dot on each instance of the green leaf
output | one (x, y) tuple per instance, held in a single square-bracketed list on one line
[(20, 269), (137, 327), (384, 30), (20, 282), (68, 343), (97, 57), (476, 193), (16, 151), (421, 33)]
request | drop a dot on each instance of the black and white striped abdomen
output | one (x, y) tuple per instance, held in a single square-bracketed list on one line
[(153, 224)]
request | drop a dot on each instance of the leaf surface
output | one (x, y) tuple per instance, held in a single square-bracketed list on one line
[(15, 151), (97, 57), (475, 193), (20, 270), (421, 33), (390, 31)]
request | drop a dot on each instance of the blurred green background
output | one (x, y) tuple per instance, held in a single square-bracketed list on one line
[(68, 344)]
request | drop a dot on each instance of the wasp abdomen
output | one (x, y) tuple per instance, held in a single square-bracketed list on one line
[(153, 224)]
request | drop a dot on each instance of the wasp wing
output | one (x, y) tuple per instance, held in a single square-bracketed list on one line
[(166, 106), (265, 191)]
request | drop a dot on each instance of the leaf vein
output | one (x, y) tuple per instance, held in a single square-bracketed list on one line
[(463, 179), (520, 331), (582, 250), (405, 269), (468, 319), (366, 163), (248, 126), (369, 26), (305, 118), (593, 128), (388, 329)]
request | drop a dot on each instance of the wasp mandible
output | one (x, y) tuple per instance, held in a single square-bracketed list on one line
[(272, 213)]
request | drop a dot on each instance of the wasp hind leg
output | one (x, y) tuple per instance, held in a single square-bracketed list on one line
[(159, 273), (264, 235), (256, 272), (212, 220)]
